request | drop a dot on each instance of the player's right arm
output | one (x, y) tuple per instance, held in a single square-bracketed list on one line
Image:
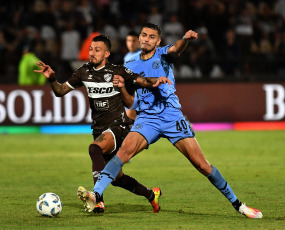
[(181, 44), (58, 89), (126, 97)]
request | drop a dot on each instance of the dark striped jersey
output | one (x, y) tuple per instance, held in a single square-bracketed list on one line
[(105, 99)]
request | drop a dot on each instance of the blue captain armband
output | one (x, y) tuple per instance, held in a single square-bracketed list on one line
[(186, 40)]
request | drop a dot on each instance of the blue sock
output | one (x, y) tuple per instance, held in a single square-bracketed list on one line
[(220, 183), (108, 174)]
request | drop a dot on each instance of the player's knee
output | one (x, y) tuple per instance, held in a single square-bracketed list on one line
[(204, 168)]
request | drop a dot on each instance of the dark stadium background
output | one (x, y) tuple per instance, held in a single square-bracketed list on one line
[(240, 51)]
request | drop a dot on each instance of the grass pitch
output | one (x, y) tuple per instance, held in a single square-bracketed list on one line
[(252, 162)]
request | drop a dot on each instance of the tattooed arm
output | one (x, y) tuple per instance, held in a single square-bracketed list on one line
[(58, 89), (146, 82), (151, 82)]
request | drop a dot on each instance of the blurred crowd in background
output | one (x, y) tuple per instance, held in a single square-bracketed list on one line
[(238, 40)]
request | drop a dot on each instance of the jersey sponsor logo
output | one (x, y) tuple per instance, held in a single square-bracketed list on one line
[(156, 64), (100, 89), (101, 105), (107, 77)]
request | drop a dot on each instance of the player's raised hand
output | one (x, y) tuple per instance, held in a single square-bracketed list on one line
[(118, 81), (46, 70), (162, 80), (190, 35)]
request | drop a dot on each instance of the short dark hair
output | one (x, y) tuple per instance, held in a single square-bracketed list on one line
[(153, 26), (103, 38), (133, 33)]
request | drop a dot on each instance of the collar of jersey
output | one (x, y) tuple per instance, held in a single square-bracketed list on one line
[(150, 57), (99, 68)]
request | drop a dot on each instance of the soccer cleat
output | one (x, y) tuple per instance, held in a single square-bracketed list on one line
[(250, 212), (99, 207), (88, 198), (154, 203)]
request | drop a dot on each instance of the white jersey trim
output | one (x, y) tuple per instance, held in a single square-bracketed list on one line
[(99, 68), (110, 131), (69, 85)]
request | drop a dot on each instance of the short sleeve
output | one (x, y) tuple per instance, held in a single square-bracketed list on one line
[(75, 80), (128, 75), (164, 49)]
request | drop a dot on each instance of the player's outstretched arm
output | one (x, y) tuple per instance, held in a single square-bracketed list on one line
[(151, 82), (58, 89), (127, 98), (181, 44)]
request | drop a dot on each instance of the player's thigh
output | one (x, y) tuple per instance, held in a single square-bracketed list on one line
[(119, 133), (190, 148), (148, 127), (106, 142), (133, 144)]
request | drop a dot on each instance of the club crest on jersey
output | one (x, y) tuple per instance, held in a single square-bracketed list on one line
[(90, 76), (107, 77), (156, 64)]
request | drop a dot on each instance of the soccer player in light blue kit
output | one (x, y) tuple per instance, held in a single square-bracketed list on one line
[(133, 46), (159, 115)]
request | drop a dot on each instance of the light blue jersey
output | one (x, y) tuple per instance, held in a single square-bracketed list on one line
[(129, 56), (153, 101)]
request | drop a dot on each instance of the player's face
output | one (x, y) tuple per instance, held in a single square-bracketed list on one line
[(149, 39), (98, 53), (132, 43)]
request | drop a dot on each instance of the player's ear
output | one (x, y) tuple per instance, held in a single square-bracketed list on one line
[(107, 54), (158, 41)]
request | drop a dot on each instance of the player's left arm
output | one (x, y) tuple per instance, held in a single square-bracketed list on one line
[(151, 82), (181, 44), (146, 82)]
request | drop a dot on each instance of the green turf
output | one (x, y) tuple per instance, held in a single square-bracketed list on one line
[(252, 162)]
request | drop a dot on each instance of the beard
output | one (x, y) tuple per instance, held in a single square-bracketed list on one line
[(146, 51), (95, 64)]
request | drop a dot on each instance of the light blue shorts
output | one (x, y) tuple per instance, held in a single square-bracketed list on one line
[(169, 124)]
